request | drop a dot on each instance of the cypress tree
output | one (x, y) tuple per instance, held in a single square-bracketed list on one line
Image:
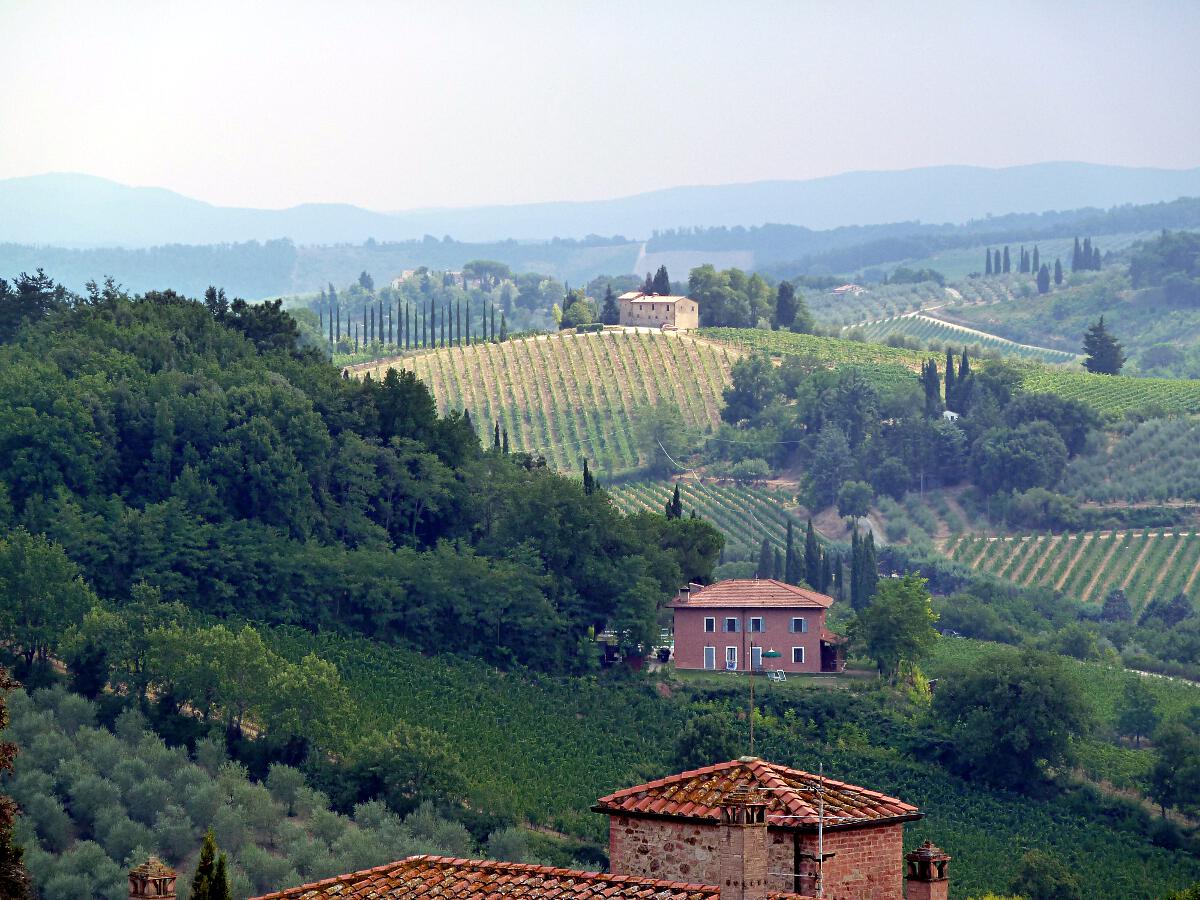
[(1095, 258), (1036, 264), (839, 577), (766, 561), (826, 574), (950, 383), (790, 570), (589, 483), (988, 258), (674, 506), (1058, 271), (468, 320), (662, 282), (445, 316), (648, 284), (493, 337), (855, 566), (933, 388), (504, 442), (1085, 261), (496, 437), (1075, 256), (210, 881), (1043, 280), (456, 338), (503, 329), (1007, 261), (777, 572), (869, 570), (812, 557), (996, 264), (339, 323), (962, 387), (1023, 264)]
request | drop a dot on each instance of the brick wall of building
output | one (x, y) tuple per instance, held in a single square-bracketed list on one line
[(868, 863), (691, 638)]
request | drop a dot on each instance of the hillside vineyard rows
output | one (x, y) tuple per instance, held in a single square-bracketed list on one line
[(745, 514), (576, 396), (1145, 563), (1158, 459), (926, 328)]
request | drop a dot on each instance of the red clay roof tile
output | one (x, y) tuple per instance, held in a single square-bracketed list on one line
[(791, 796), (753, 592), (464, 879)]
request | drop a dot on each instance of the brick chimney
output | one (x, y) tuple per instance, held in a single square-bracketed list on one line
[(152, 880), (927, 879), (743, 846)]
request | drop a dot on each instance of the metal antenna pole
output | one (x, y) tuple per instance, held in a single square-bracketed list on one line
[(750, 663), (821, 831)]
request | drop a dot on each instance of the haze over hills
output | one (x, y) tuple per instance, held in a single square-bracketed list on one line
[(76, 210)]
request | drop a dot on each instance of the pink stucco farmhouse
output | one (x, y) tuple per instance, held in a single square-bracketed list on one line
[(761, 623)]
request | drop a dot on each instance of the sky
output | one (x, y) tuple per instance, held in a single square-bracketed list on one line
[(397, 105)]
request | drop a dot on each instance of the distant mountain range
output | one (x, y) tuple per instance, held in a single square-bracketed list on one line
[(73, 210)]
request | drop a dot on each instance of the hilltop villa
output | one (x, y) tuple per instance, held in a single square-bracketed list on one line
[(730, 625), (658, 311)]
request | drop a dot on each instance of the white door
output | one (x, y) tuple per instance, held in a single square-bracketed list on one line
[(710, 657), (756, 658)]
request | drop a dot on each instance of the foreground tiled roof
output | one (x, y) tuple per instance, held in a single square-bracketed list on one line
[(753, 592), (791, 796), (443, 878)]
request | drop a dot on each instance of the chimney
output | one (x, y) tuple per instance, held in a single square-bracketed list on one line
[(152, 880), (685, 593), (743, 846), (926, 877)]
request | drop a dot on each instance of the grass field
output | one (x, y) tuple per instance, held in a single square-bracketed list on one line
[(573, 396), (1145, 563), (745, 514), (926, 328)]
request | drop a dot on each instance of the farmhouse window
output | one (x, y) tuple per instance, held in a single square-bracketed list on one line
[(797, 654), (731, 624), (799, 625), (756, 624), (710, 624)]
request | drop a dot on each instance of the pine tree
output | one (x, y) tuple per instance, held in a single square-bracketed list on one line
[(662, 282), (1076, 256), (812, 557), (1007, 261), (589, 483), (950, 382), (988, 268), (1058, 275), (1036, 257), (675, 504), (1043, 280), (766, 561), (210, 881), (1104, 355), (791, 573)]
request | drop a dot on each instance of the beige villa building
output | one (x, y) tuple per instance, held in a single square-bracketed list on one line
[(657, 311)]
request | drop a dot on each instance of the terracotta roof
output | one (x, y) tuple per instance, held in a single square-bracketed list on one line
[(443, 878), (791, 796), (753, 592), (639, 297), (830, 638)]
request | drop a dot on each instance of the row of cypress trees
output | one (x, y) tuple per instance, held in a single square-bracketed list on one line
[(408, 326), (821, 568)]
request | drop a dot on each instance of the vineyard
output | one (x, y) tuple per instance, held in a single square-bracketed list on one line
[(887, 364), (1158, 459), (574, 396), (744, 514), (1117, 393), (876, 302), (1086, 565), (928, 329)]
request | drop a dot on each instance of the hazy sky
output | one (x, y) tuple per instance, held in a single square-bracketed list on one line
[(395, 105)]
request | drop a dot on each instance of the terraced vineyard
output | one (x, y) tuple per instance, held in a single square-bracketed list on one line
[(1117, 393), (572, 396), (1145, 564), (745, 514), (926, 328)]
